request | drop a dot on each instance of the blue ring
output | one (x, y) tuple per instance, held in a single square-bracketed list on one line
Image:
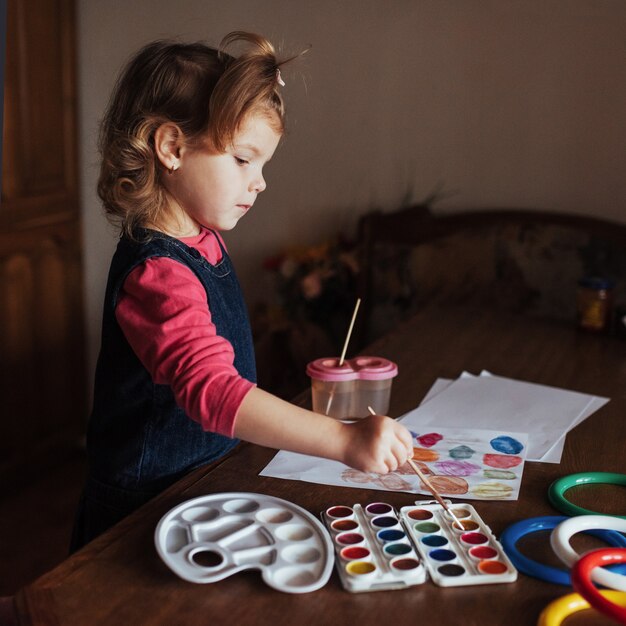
[(516, 531)]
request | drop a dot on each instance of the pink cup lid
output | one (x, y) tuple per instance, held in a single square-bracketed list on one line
[(329, 369), (361, 367)]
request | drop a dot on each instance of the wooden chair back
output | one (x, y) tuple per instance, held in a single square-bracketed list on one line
[(521, 260)]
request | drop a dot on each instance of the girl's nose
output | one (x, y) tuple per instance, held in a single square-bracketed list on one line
[(258, 184)]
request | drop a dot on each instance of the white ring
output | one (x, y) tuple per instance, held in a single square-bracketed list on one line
[(560, 536)]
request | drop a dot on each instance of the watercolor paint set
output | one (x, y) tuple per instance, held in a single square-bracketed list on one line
[(211, 537), (373, 549), (379, 548), (453, 556)]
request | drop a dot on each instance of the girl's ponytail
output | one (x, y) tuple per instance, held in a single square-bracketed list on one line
[(250, 83)]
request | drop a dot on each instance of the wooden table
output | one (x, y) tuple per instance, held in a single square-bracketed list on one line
[(119, 579)]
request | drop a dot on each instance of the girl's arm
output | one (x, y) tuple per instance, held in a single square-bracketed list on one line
[(372, 444), (164, 314)]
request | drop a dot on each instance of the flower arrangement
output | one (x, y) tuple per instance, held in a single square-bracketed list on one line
[(318, 284)]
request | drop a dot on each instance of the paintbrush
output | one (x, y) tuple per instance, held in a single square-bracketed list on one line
[(429, 485), (432, 489), (343, 352), (345, 345)]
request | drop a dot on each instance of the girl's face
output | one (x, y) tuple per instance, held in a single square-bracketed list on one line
[(216, 189)]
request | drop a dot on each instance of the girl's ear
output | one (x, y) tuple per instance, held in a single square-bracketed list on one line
[(168, 143)]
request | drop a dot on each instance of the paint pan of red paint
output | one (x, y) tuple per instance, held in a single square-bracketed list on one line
[(480, 553), (343, 525), (378, 508), (350, 539), (339, 512), (361, 568), (474, 538), (420, 514), (492, 567), (352, 553)]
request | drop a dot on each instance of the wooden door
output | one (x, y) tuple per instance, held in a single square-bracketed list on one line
[(42, 381)]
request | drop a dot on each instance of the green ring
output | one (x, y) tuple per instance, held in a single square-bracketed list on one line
[(556, 492)]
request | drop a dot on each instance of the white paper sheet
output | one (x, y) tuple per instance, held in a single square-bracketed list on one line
[(461, 463), (554, 453), (493, 402)]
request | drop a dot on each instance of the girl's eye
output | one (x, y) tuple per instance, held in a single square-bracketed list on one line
[(241, 161)]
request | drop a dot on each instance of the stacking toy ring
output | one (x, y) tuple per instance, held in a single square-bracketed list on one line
[(581, 580), (556, 492), (515, 532), (560, 609), (559, 540)]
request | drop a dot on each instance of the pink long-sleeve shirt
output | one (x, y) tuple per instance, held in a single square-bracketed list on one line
[(164, 314)]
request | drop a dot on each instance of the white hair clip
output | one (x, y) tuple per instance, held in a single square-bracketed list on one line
[(279, 78)]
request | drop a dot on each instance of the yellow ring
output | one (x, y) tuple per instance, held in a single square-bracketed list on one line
[(560, 609)]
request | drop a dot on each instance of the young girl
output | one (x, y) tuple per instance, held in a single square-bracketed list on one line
[(184, 141)]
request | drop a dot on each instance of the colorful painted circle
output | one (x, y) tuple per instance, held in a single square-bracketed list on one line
[(501, 461), (506, 445), (457, 468), (449, 485), (499, 474), (462, 452), (492, 490), (429, 440), (422, 454)]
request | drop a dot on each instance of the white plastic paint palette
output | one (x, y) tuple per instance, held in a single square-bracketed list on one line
[(456, 557), (209, 538), (374, 551)]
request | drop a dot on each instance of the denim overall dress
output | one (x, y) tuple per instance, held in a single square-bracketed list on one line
[(138, 440)]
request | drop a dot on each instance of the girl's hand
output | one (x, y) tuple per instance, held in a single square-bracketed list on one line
[(372, 444), (376, 444)]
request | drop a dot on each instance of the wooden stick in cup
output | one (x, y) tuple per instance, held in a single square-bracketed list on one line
[(345, 345), (430, 486), (343, 352)]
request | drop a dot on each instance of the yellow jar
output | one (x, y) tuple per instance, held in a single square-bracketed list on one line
[(594, 303)]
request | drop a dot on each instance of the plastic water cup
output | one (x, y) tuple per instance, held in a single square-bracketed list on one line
[(347, 391)]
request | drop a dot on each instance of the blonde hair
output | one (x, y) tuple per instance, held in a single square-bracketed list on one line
[(205, 91)]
